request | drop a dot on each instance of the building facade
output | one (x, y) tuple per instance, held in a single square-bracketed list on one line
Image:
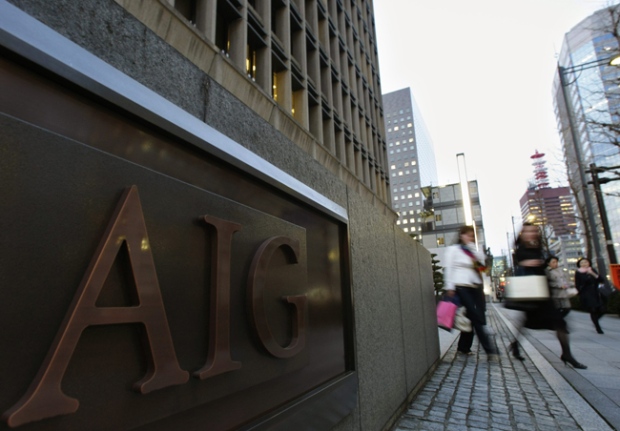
[(411, 159), (551, 206), (444, 215), (205, 168), (587, 107)]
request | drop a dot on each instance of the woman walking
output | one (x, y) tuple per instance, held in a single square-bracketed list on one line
[(462, 276), (586, 282), (543, 314), (557, 285)]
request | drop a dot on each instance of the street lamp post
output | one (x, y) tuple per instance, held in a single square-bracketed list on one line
[(562, 72)]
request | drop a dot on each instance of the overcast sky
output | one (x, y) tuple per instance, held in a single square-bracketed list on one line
[(481, 72)]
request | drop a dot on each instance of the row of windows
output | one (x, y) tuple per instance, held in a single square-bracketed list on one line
[(408, 204), (405, 221), (409, 196), (399, 112), (397, 143), (401, 120), (406, 164), (402, 189), (398, 150), (406, 172), (397, 128)]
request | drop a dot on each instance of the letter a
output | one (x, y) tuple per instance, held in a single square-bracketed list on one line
[(44, 397)]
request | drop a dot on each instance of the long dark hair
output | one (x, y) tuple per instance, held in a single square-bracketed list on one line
[(463, 230)]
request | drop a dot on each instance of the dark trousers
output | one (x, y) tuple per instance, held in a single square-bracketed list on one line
[(473, 300)]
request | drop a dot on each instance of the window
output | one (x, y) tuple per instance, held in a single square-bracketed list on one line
[(409, 125), (417, 195), (437, 217), (440, 241)]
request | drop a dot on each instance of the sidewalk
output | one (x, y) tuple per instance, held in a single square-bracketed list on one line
[(471, 393)]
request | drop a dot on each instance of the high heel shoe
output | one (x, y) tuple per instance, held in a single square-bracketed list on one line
[(573, 362), (514, 350)]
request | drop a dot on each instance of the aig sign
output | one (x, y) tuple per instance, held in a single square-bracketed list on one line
[(154, 274)]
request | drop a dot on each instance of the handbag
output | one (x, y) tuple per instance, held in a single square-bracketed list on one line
[(461, 322), (571, 291), (606, 289), (526, 288), (445, 315)]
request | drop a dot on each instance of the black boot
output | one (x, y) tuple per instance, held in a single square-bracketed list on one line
[(514, 349), (573, 362), (596, 316)]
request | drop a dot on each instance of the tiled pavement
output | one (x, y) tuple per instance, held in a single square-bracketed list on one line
[(473, 393)]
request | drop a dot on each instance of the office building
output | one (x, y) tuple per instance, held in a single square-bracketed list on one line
[(586, 92), (548, 206), (444, 215), (411, 158)]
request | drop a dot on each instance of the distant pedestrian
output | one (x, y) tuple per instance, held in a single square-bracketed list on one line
[(558, 285), (541, 314), (586, 282), (462, 277)]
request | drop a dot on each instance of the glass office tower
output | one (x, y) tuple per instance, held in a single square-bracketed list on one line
[(411, 158), (590, 85)]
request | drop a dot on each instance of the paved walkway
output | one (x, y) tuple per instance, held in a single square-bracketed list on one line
[(541, 393)]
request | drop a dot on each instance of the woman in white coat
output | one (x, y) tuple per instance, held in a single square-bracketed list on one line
[(463, 277)]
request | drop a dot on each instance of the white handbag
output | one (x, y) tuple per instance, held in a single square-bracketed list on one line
[(526, 288), (461, 322)]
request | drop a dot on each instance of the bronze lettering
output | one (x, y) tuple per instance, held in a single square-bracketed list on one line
[(45, 398), (256, 286), (218, 359)]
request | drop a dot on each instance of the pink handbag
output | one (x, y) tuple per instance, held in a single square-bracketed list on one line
[(445, 314)]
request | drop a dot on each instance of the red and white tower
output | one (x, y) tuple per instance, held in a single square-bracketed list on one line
[(540, 170)]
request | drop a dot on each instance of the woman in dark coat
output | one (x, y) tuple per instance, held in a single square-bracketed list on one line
[(586, 282), (543, 314)]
